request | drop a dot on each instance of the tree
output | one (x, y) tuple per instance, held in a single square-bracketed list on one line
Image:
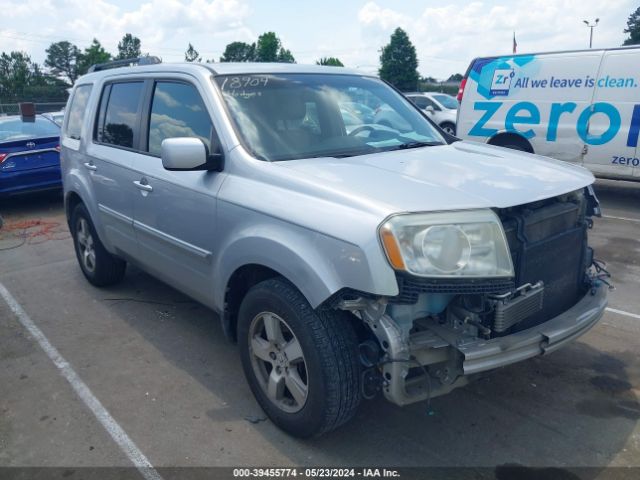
[(633, 28), (239, 52), (22, 80), (399, 63), (62, 59), (92, 55), (192, 55), (269, 49), (330, 61), (129, 47), (456, 77), (285, 56)]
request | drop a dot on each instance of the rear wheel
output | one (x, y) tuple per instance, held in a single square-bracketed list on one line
[(97, 264), (301, 364)]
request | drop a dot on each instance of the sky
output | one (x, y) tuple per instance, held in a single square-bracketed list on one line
[(447, 35)]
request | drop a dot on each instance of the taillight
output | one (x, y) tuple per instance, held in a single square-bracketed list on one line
[(461, 89), (3, 156)]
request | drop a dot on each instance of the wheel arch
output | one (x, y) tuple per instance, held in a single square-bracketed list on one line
[(252, 260), (502, 139)]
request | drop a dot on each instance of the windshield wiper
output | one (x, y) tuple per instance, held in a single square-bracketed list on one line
[(406, 146)]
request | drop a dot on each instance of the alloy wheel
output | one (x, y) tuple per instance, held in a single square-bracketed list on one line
[(278, 362)]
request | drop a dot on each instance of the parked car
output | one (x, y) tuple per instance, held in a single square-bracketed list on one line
[(56, 117), (579, 106), (440, 107), (343, 264), (29, 155)]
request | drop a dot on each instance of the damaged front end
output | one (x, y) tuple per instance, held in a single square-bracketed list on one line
[(438, 332)]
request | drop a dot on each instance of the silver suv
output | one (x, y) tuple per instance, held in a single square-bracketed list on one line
[(401, 262)]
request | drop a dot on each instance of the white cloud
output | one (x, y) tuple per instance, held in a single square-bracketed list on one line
[(447, 38), (164, 26)]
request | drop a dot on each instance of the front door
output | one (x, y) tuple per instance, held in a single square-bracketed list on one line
[(175, 211)]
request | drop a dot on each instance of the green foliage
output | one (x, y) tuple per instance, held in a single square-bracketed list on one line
[(62, 59), (192, 55), (285, 56), (239, 52), (456, 77), (399, 63), (92, 55), (633, 28), (268, 48), (330, 61), (22, 80), (129, 47)]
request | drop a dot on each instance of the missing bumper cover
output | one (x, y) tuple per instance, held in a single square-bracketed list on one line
[(512, 308)]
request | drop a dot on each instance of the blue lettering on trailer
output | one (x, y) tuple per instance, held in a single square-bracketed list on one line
[(634, 130), (490, 109), (527, 113)]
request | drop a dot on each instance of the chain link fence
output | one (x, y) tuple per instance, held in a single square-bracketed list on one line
[(14, 108)]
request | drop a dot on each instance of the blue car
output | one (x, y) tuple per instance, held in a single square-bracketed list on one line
[(29, 155)]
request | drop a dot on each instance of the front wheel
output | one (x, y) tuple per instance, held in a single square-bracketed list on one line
[(301, 364)]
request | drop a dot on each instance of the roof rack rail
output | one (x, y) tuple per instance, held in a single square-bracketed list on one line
[(125, 62)]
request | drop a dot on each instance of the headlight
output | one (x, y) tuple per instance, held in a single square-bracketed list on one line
[(460, 244)]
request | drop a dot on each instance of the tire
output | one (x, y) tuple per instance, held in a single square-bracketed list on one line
[(326, 362), (97, 264), (449, 128)]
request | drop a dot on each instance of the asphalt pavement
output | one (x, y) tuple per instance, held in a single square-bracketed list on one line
[(160, 368)]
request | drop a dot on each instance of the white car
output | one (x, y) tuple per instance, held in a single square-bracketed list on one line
[(440, 107)]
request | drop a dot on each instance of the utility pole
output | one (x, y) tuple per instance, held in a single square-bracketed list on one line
[(591, 27)]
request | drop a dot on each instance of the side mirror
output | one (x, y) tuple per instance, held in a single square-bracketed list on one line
[(188, 153), (429, 109)]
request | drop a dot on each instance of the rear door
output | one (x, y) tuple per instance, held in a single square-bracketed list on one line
[(110, 159), (612, 124), (175, 211)]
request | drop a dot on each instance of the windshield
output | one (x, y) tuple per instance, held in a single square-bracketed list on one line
[(447, 101), (291, 116), (13, 128)]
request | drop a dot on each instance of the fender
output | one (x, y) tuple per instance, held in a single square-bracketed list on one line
[(295, 258)]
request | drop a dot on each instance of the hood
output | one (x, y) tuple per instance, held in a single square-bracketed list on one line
[(463, 175)]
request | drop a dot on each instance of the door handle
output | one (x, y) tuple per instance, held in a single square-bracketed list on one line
[(90, 166), (143, 186)]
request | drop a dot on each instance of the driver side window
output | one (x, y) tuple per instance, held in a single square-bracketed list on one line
[(177, 110)]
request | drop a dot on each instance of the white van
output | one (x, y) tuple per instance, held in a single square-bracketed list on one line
[(579, 106)]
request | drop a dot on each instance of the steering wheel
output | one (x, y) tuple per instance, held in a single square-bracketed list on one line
[(360, 129)]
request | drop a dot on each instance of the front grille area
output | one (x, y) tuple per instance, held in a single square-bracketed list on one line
[(548, 243), (410, 287)]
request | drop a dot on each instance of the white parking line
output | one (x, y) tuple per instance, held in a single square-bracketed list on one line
[(622, 312), (626, 219), (90, 400)]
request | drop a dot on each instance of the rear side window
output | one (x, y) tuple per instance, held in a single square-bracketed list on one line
[(118, 117), (177, 110), (76, 111)]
